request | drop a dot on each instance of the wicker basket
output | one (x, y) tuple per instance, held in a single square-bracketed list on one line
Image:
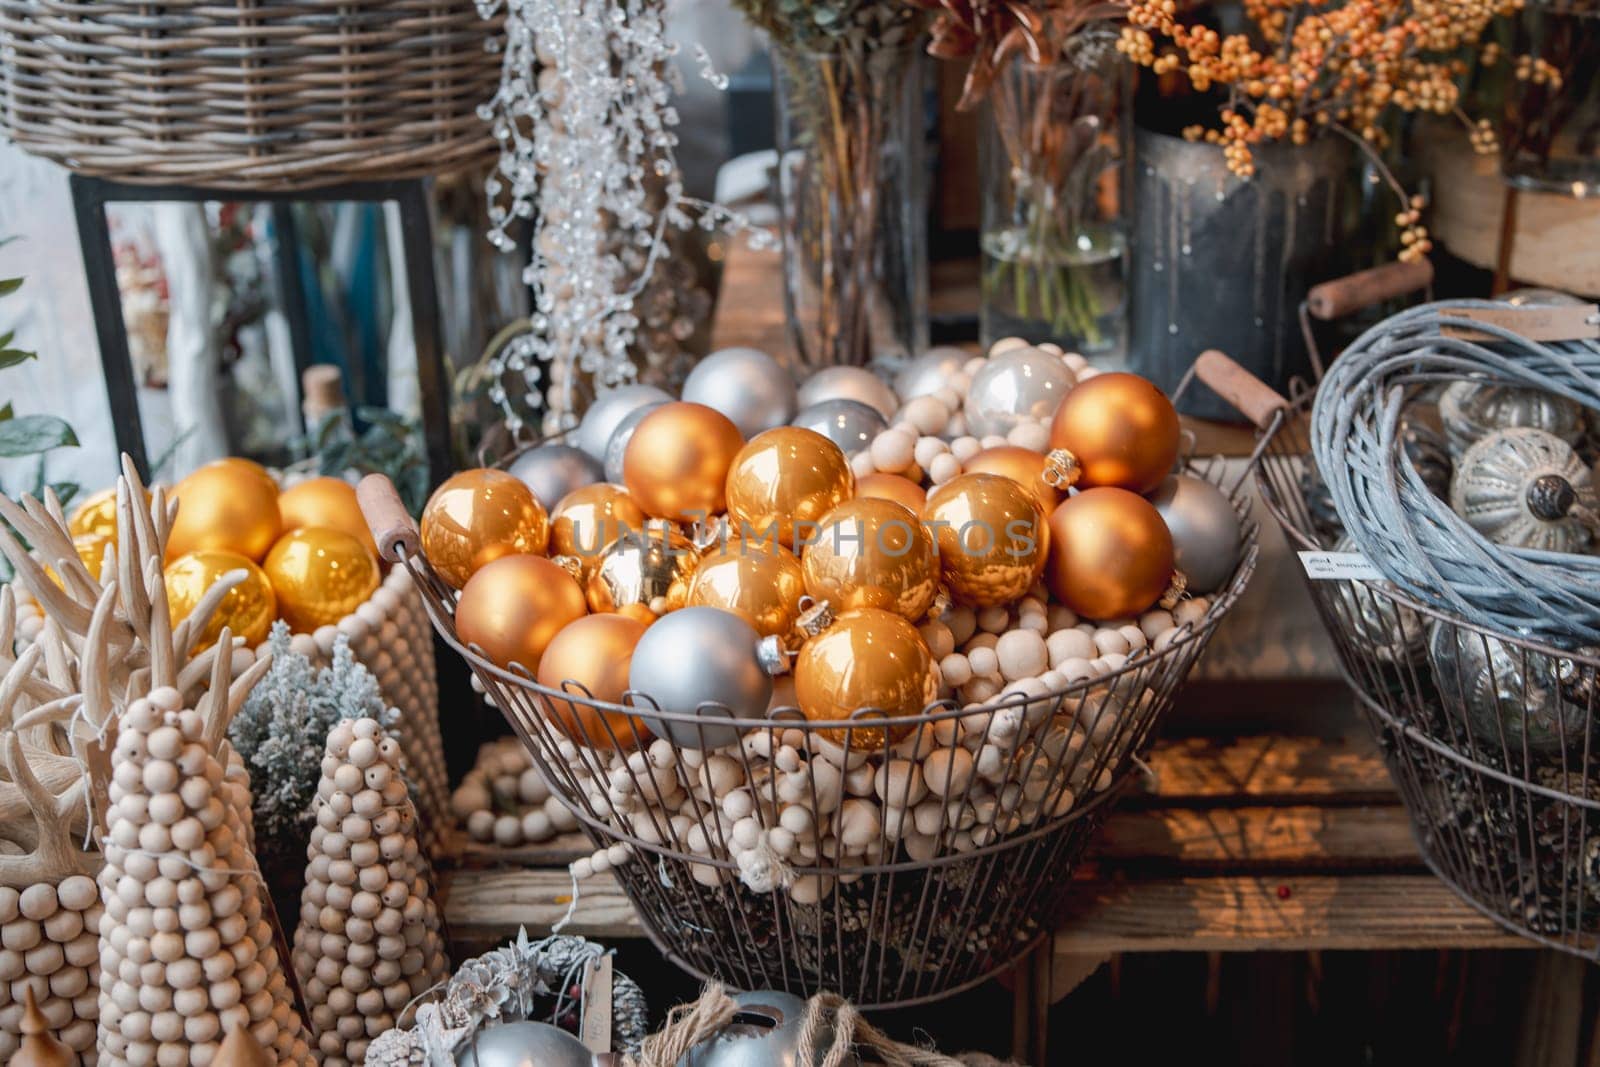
[(259, 94)]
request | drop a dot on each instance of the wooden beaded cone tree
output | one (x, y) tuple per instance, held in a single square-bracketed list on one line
[(369, 938)]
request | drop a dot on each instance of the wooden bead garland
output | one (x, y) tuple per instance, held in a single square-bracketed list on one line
[(369, 938), (504, 800)]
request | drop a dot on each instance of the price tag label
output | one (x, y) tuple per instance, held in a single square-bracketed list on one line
[(1539, 322), (1339, 566), (596, 1025)]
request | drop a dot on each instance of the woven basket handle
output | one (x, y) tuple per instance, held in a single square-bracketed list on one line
[(392, 528), (1254, 398), (1342, 296)]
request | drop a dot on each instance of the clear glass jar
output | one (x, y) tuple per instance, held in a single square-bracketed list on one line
[(853, 203), (1054, 244), (1550, 136)]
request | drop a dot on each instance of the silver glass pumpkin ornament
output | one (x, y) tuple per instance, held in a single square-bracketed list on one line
[(1509, 695), (765, 1032), (1527, 489), (523, 1044), (1469, 410), (1381, 627)]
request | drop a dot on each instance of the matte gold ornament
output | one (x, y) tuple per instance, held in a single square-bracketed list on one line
[(515, 606), (992, 536), (595, 652), (326, 502), (91, 549), (478, 516), (755, 580), (320, 575), (1023, 466), (589, 519), (229, 506), (871, 553), (676, 464), (865, 659), (1111, 555), (901, 490), (248, 609), (786, 476), (1114, 430), (649, 568)]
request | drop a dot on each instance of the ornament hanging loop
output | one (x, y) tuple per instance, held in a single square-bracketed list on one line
[(1061, 469)]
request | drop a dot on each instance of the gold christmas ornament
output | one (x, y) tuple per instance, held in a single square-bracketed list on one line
[(98, 515), (320, 575), (865, 659), (478, 516), (589, 519), (992, 538), (902, 491), (595, 652), (754, 580), (1023, 466), (228, 506), (676, 464), (515, 606), (327, 502), (870, 553), (1117, 430), (248, 609), (1111, 554), (649, 568), (92, 550), (786, 476)]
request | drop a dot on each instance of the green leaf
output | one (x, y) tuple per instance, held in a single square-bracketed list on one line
[(6, 412), (28, 435), (10, 357), (9, 285)]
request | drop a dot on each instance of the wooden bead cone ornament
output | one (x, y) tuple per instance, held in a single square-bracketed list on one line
[(39, 1046), (241, 1049), (369, 939)]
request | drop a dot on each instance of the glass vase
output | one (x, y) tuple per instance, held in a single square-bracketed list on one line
[(1550, 136), (1054, 243), (853, 204)]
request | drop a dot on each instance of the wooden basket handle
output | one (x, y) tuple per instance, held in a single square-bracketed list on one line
[(391, 526), (1254, 398), (1342, 296)]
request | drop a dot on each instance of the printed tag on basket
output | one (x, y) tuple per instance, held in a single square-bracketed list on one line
[(596, 1025), (1339, 566), (1564, 322)]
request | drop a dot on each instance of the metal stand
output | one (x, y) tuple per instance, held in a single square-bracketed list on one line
[(90, 197)]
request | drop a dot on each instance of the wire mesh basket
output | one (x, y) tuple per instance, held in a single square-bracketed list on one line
[(919, 865)]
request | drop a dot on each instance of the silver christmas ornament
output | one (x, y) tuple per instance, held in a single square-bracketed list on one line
[(765, 1033), (1205, 529), (701, 656), (524, 1044), (849, 383), (745, 384), (1503, 691), (850, 424), (1019, 384), (608, 410), (618, 445), (929, 372), (1525, 488), (554, 470), (1470, 410), (1380, 626)]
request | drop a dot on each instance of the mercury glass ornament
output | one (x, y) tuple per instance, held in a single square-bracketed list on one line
[(554, 470), (1020, 384), (1470, 410), (705, 662), (1205, 530), (523, 1044), (1379, 626), (617, 447), (607, 413), (849, 383), (929, 372), (745, 384), (764, 1033), (1526, 488), (850, 424), (1508, 694)]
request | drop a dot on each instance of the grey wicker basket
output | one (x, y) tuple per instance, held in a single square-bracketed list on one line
[(264, 95)]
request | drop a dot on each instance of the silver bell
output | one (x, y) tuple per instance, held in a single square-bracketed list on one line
[(765, 1032), (524, 1044)]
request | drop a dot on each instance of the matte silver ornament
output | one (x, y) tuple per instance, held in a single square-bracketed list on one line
[(745, 384), (618, 445), (1503, 691), (1019, 384), (929, 372), (554, 470), (849, 383), (701, 656), (1526, 488), (764, 1033), (524, 1044), (1205, 529), (850, 424), (607, 411)]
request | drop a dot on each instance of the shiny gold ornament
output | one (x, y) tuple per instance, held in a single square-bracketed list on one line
[(241, 466), (229, 506), (92, 550), (870, 553), (590, 518), (595, 652), (901, 490), (755, 580), (326, 502), (1111, 555), (992, 537), (478, 516), (865, 659), (513, 607), (1023, 466), (98, 515), (1114, 429), (676, 464), (650, 568), (783, 477), (248, 609), (320, 575)]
